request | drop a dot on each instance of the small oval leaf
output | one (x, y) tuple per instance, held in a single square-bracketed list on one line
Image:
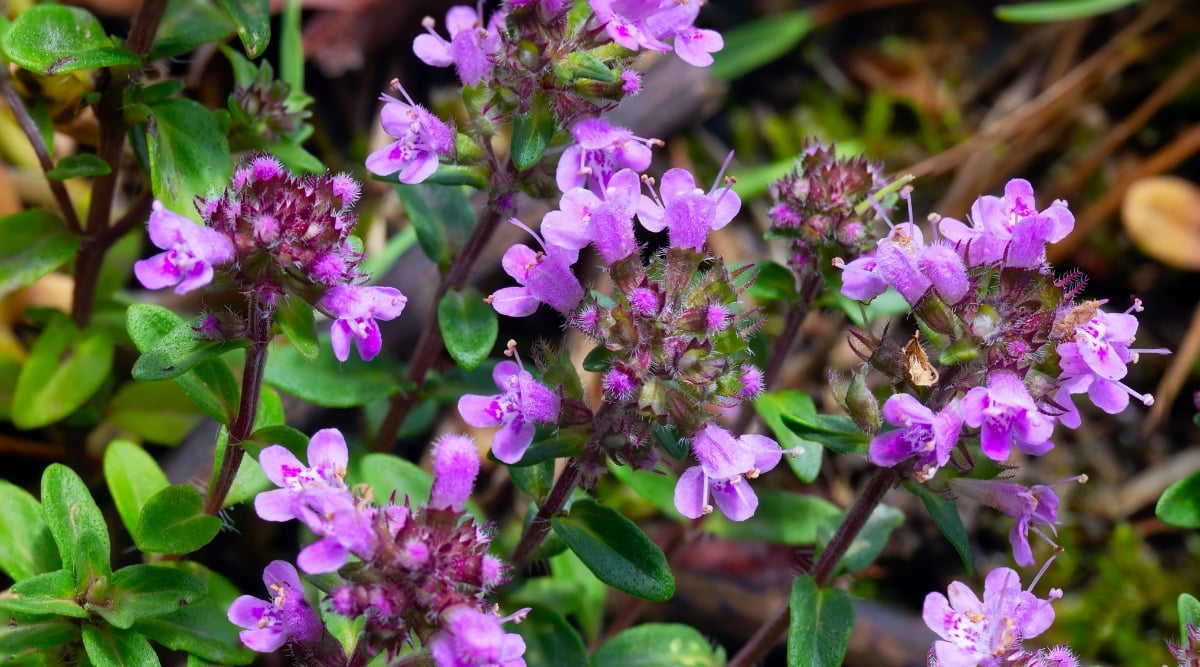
[(55, 39), (173, 522), (469, 326), (616, 550)]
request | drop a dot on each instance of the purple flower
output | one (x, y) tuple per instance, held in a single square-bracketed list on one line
[(455, 465), (726, 466), (470, 48), (605, 221), (472, 638), (985, 633), (860, 278), (325, 473), (286, 616), (191, 252), (356, 307), (343, 525), (1094, 359), (420, 138), (646, 24), (544, 278), (686, 211), (898, 262), (695, 45), (1009, 230), (521, 403), (1006, 413), (1037, 504), (600, 150), (929, 437)]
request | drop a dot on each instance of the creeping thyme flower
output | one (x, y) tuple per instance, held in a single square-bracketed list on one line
[(421, 138), (1010, 230), (600, 150), (471, 46), (344, 527), (285, 617), (605, 221), (1037, 504), (647, 24), (929, 437), (544, 277), (355, 309), (686, 211), (191, 252), (325, 473), (1094, 358), (474, 638), (522, 403), (726, 466), (1006, 414), (988, 632)]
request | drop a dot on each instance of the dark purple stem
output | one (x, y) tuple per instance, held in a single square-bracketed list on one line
[(243, 424), (856, 517)]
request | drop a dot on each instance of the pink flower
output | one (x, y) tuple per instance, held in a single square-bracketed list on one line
[(472, 638), (927, 436), (325, 472), (191, 252), (470, 48), (285, 617), (420, 139), (522, 403), (985, 633), (600, 150), (726, 466), (356, 308), (1010, 230), (686, 211), (1006, 414), (544, 277)]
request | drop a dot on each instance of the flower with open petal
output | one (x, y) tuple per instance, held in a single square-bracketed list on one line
[(191, 252), (472, 638), (286, 616), (325, 472), (420, 139), (927, 436), (1006, 414), (522, 403), (726, 466), (356, 307)]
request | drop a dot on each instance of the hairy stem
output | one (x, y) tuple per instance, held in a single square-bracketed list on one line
[(539, 527), (429, 347), (856, 517), (243, 424)]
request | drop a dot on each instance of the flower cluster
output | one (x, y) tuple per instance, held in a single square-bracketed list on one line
[(989, 632), (274, 234), (422, 572), (1012, 346)]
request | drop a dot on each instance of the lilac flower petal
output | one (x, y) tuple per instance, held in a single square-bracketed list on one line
[(517, 262), (735, 498), (433, 50), (327, 453), (324, 555), (480, 411), (278, 463), (651, 215), (996, 442), (455, 466), (888, 449), (719, 453), (275, 505), (767, 453), (340, 336), (538, 403), (1018, 537), (676, 183), (695, 46), (1108, 396), (691, 493), (512, 440), (514, 301)]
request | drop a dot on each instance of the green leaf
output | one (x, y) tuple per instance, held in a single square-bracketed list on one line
[(49, 593), (189, 154), (531, 133), (442, 216), (655, 487), (673, 645), (471, 175), (109, 647), (599, 360), (173, 522), (328, 382), (772, 281), (65, 367), (469, 326), (782, 517), (80, 165), (944, 513), (252, 19), (820, 624), (202, 630), (754, 44), (546, 450), (176, 352), (588, 592), (291, 46), (72, 516), (188, 25), (550, 641), (26, 546), (1058, 10), (133, 476), (143, 591), (295, 318), (154, 411), (870, 540), (54, 39), (534, 480), (616, 550), (805, 457), (1189, 613), (386, 473), (20, 633), (1179, 505)]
